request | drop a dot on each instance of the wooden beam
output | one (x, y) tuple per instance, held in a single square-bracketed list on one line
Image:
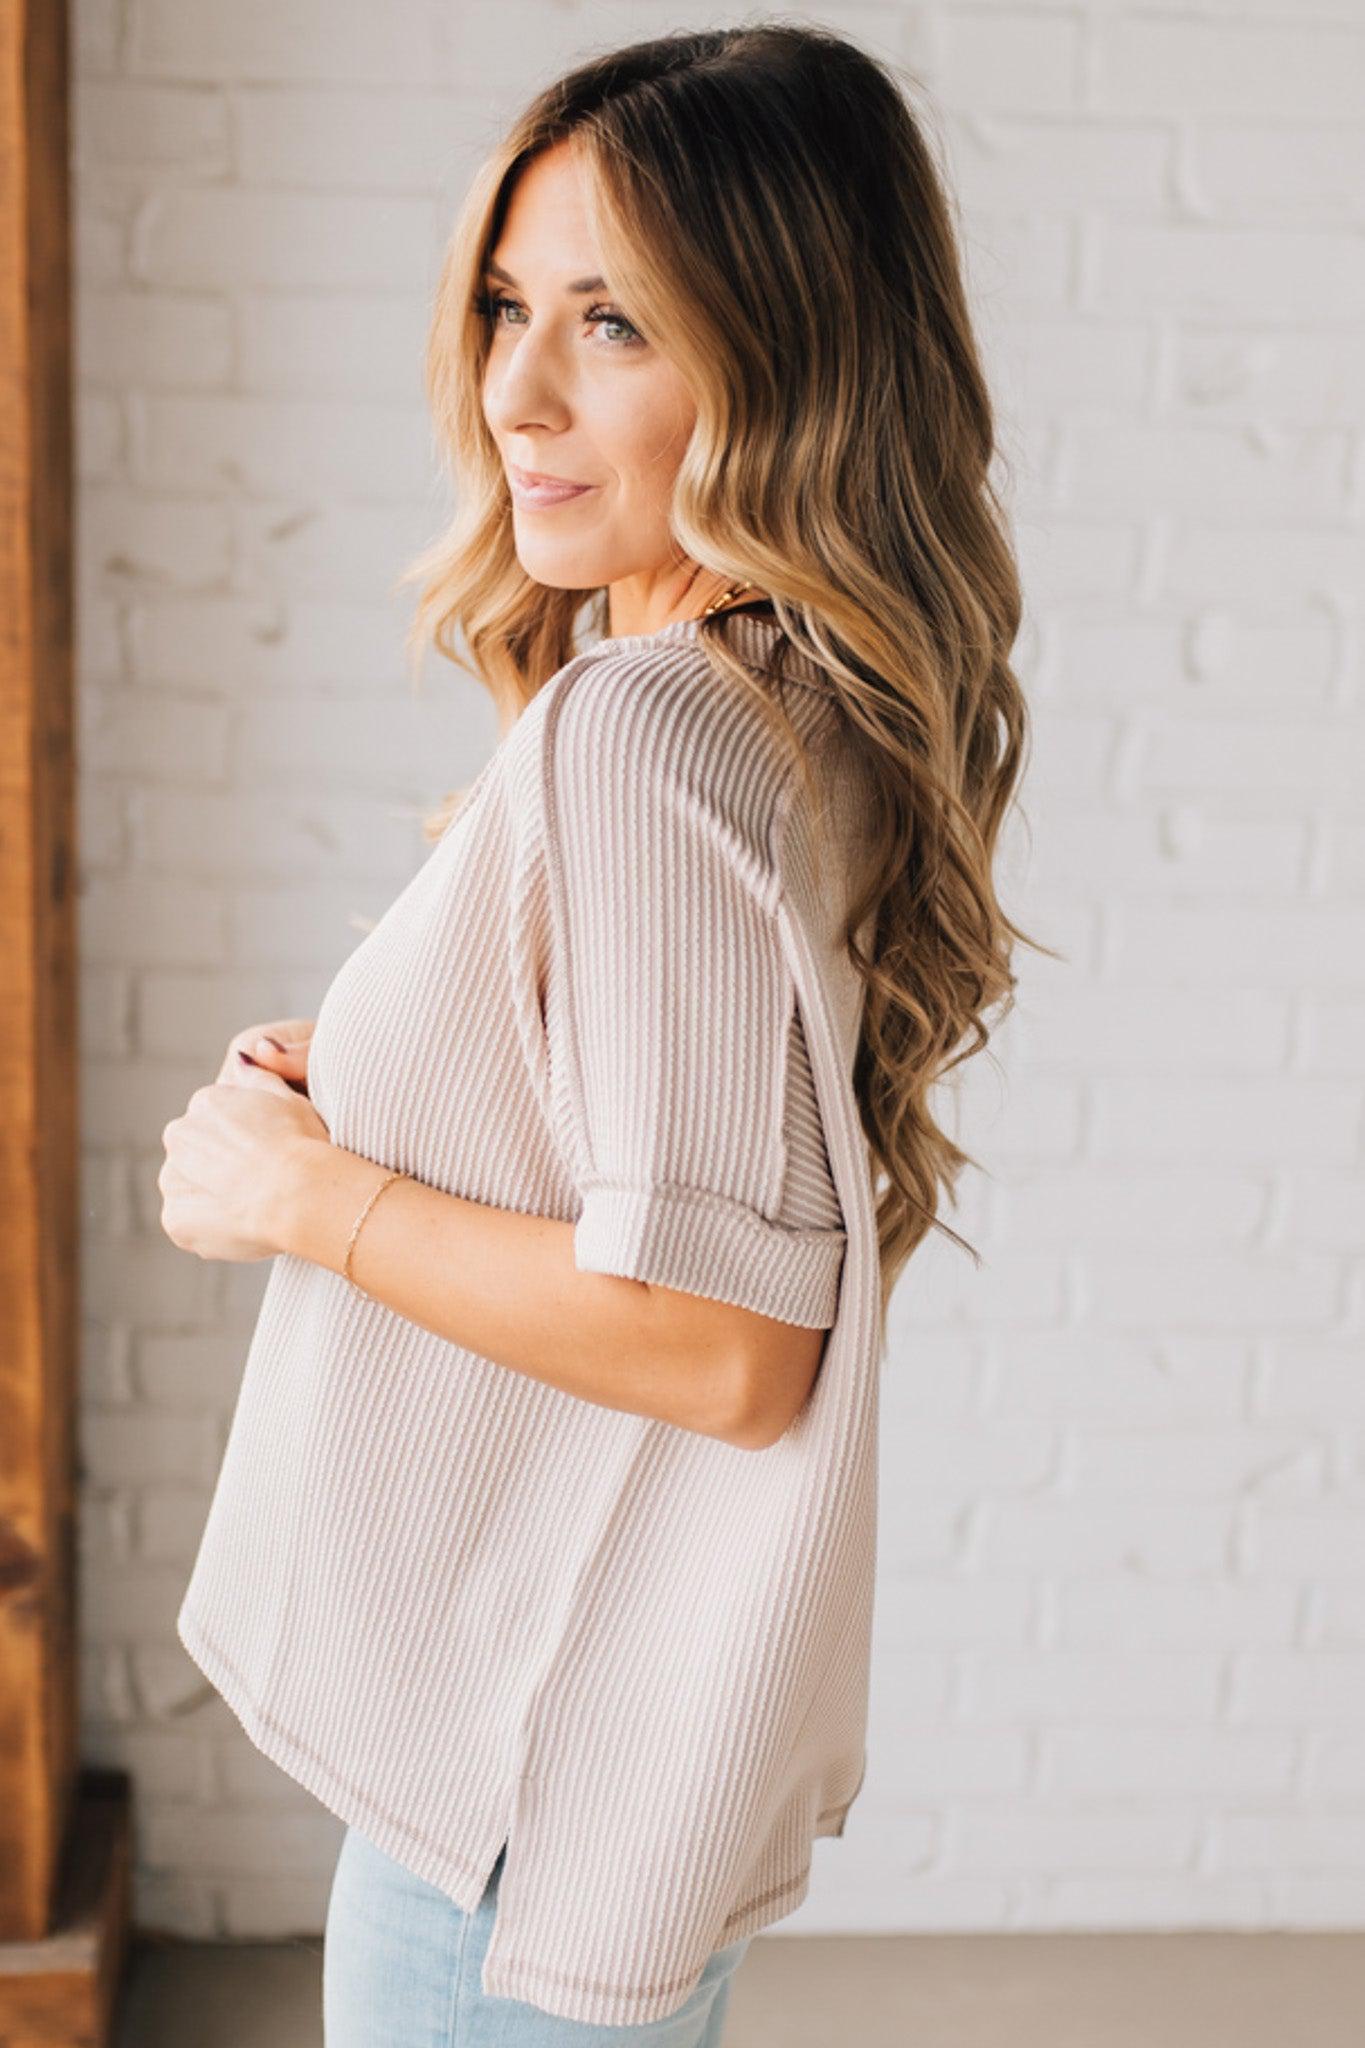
[(62, 1991), (51, 1849)]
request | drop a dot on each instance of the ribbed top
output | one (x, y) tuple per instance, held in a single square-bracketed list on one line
[(465, 1608)]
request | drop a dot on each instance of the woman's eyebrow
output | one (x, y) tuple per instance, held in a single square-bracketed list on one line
[(579, 284)]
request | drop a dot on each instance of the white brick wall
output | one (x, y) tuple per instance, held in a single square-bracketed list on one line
[(1120, 1675)]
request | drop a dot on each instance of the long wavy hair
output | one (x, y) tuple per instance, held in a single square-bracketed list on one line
[(769, 213)]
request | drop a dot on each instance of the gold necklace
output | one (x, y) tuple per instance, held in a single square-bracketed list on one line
[(725, 598)]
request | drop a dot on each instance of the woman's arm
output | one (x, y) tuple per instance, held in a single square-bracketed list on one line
[(505, 1285)]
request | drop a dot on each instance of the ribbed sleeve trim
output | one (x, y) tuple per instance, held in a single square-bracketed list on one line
[(703, 1243)]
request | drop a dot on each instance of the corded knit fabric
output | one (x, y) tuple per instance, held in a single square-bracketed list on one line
[(461, 1606), (808, 1197)]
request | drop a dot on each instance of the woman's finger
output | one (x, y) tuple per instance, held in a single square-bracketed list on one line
[(289, 1060), (282, 1050), (255, 1074)]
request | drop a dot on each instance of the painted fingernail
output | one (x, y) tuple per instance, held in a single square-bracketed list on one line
[(242, 1055), (268, 1040)]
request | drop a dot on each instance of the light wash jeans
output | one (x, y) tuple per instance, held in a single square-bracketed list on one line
[(401, 1965)]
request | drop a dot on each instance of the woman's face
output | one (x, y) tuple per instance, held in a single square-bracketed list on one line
[(571, 390)]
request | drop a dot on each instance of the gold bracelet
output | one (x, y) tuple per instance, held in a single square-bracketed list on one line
[(355, 1227)]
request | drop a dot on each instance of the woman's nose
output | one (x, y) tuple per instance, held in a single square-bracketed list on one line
[(526, 389)]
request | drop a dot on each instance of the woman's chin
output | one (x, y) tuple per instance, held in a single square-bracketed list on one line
[(562, 569)]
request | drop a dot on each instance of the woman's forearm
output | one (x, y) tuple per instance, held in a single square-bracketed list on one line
[(505, 1285)]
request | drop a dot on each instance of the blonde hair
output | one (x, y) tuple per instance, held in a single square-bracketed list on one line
[(769, 213)]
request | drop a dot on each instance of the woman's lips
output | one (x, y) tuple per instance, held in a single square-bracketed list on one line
[(535, 495)]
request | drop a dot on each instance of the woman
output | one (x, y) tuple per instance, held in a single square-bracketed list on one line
[(542, 1550)]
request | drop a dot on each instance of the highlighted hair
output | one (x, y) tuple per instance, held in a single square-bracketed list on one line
[(770, 215)]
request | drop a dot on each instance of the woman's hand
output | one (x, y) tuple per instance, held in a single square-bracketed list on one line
[(226, 1173), (287, 1056)]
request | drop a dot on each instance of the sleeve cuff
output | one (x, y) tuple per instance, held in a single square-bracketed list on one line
[(704, 1243)]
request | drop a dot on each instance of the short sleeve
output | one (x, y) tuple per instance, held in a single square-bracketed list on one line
[(670, 996)]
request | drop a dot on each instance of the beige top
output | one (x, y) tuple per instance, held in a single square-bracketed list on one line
[(461, 1606)]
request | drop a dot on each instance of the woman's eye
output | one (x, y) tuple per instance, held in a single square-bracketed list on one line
[(492, 304), (603, 316)]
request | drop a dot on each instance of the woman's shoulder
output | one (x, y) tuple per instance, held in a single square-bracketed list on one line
[(658, 708), (642, 752)]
